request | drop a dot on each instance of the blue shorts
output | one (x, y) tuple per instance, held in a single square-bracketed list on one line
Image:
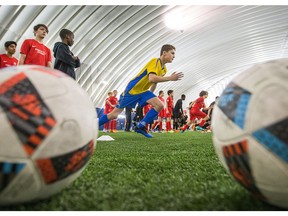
[(129, 100)]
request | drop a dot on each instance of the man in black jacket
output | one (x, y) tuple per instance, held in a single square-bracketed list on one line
[(178, 113), (65, 60)]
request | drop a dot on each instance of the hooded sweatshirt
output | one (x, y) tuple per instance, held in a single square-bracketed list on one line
[(63, 59)]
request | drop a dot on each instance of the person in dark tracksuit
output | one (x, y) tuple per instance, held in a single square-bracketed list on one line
[(65, 60)]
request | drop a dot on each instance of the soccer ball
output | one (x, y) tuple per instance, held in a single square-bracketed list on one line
[(250, 130), (48, 130)]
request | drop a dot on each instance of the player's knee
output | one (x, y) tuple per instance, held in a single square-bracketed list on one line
[(113, 115)]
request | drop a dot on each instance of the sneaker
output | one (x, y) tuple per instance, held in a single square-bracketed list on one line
[(182, 131), (199, 128), (143, 132), (171, 131)]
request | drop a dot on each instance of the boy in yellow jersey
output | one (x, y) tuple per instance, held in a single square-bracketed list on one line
[(140, 89)]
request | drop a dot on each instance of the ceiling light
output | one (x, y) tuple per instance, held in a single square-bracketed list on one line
[(175, 20)]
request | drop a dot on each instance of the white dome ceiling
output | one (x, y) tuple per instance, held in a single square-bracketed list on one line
[(114, 42)]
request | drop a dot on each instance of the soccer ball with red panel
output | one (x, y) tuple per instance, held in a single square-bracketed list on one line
[(48, 130)]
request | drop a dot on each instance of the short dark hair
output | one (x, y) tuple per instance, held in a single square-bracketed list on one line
[(160, 92), (166, 48), (36, 27), (183, 96), (65, 32), (169, 92), (202, 93), (8, 43)]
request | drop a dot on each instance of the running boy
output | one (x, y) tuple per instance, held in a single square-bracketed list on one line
[(137, 89), (196, 111)]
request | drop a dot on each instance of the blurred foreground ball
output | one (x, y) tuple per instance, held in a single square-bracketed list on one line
[(48, 131), (250, 130)]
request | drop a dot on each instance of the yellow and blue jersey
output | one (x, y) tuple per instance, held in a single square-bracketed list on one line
[(140, 83)]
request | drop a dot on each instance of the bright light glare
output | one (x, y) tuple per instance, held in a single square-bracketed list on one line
[(104, 82), (121, 116), (175, 20)]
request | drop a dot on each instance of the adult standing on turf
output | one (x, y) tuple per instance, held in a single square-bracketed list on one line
[(33, 51), (178, 111), (7, 59), (140, 89), (128, 119), (65, 60)]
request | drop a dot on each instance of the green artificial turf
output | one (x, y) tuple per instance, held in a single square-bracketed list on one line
[(178, 171)]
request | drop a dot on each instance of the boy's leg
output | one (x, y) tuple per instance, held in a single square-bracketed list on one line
[(157, 106), (148, 118), (112, 115), (187, 125), (160, 126), (157, 122), (104, 119), (204, 119)]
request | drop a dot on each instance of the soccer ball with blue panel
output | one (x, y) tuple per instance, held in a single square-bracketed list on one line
[(250, 130)]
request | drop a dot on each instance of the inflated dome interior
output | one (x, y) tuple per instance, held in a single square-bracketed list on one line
[(213, 43)]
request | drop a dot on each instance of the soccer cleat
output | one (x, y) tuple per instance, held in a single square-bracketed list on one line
[(143, 132), (198, 128), (182, 129)]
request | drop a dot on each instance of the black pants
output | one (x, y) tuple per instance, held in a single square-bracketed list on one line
[(128, 118)]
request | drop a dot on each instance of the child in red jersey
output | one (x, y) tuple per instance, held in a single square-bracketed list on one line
[(169, 110), (113, 100), (107, 109), (161, 114), (196, 111), (33, 51), (7, 59)]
